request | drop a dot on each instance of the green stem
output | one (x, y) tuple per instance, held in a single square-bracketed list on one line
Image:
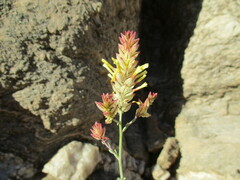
[(110, 149), (116, 121), (129, 123), (120, 146)]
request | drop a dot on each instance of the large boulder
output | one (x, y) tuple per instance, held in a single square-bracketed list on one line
[(208, 128), (51, 52), (51, 71)]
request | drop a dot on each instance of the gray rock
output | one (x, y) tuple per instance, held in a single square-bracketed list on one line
[(13, 166), (208, 126)]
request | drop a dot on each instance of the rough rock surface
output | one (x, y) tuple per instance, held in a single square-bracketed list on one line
[(51, 71), (208, 128), (169, 153), (50, 54), (50, 75), (166, 158), (15, 167), (74, 161)]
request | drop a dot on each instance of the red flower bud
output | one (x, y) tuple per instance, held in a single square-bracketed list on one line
[(98, 132), (108, 107), (143, 107)]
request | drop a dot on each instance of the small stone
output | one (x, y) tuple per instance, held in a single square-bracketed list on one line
[(160, 174), (166, 158), (169, 153), (75, 161)]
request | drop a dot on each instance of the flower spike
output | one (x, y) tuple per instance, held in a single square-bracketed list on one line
[(108, 107), (98, 132), (126, 75)]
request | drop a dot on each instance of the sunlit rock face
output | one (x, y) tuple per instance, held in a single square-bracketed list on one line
[(74, 161), (208, 126), (51, 73)]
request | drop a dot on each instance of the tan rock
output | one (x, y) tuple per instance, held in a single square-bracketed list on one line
[(208, 128), (169, 153), (160, 174), (200, 176), (166, 158), (50, 177)]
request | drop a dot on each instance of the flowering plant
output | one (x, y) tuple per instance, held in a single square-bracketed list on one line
[(126, 78)]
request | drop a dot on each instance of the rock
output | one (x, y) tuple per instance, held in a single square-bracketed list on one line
[(50, 177), (41, 74), (74, 161), (169, 154), (155, 137), (135, 142), (202, 176), (13, 166), (133, 168), (51, 71), (166, 158), (208, 126), (160, 174), (166, 27)]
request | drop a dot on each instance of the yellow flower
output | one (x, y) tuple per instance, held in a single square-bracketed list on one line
[(126, 75)]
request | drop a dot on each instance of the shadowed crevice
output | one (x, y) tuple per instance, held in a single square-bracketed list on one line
[(165, 30)]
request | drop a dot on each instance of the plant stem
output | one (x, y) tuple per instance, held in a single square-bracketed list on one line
[(120, 146), (110, 149), (129, 123)]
